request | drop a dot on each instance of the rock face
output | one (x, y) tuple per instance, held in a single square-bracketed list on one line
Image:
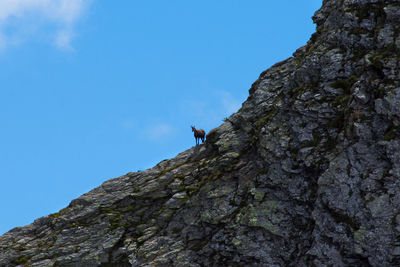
[(306, 173)]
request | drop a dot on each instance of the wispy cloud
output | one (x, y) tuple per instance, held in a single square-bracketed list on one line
[(159, 131), (209, 111), (21, 20), (229, 103), (63, 39), (128, 124)]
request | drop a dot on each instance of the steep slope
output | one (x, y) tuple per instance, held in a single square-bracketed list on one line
[(306, 173)]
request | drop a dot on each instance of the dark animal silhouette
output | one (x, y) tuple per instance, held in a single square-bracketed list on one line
[(198, 134)]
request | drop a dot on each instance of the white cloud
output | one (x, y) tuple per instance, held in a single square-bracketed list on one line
[(21, 20)]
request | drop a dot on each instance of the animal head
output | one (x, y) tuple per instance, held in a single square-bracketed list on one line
[(193, 128)]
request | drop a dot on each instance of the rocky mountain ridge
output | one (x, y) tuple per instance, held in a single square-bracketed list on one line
[(306, 173)]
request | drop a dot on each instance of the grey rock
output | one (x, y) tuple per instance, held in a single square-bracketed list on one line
[(306, 173)]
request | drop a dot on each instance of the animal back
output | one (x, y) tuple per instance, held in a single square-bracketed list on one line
[(200, 133)]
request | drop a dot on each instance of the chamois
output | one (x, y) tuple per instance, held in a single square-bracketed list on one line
[(198, 134)]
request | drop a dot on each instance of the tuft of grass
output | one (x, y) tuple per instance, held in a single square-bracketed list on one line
[(22, 260), (391, 133), (345, 84), (263, 121), (58, 214)]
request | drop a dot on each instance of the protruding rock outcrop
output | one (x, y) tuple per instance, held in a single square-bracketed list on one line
[(306, 173)]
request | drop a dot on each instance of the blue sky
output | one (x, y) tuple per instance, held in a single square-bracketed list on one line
[(91, 90)]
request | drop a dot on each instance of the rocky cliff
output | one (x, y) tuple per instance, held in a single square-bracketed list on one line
[(306, 173)]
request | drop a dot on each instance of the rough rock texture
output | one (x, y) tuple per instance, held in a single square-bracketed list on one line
[(306, 173)]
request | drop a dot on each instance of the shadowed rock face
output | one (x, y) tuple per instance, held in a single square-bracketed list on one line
[(306, 173)]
